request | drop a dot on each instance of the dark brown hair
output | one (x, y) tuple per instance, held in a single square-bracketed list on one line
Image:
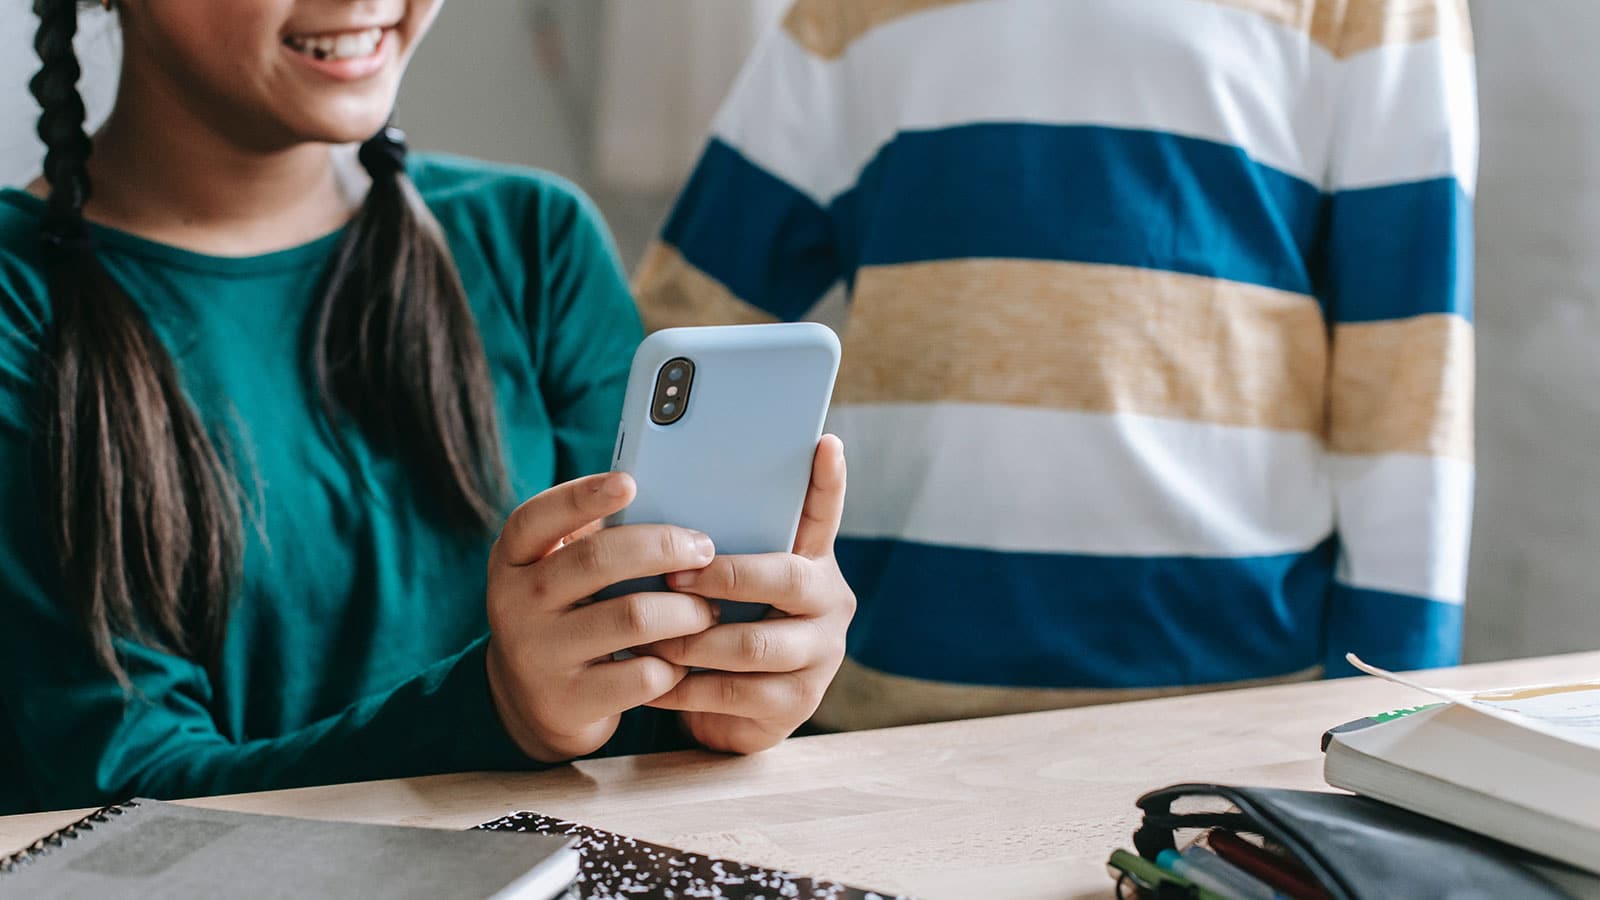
[(145, 511)]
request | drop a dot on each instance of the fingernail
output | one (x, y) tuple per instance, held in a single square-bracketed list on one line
[(681, 580), (615, 486), (703, 547)]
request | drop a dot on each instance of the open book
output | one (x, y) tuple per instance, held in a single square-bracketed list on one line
[(1520, 765)]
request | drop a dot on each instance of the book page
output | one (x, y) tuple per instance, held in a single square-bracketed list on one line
[(1570, 712)]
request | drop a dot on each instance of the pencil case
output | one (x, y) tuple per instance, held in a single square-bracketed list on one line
[(1353, 848)]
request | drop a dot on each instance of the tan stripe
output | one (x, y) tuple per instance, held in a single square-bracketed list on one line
[(1091, 338), (1375, 23), (827, 28), (1348, 27), (862, 698), (672, 292), (1403, 386)]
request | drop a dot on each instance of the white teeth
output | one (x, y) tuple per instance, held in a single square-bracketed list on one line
[(351, 45)]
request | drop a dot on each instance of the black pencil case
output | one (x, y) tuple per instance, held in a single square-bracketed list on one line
[(1357, 848)]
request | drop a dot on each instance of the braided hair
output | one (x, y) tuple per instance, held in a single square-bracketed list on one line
[(145, 513)]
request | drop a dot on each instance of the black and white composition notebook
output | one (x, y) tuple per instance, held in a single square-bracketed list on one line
[(149, 849), (617, 867)]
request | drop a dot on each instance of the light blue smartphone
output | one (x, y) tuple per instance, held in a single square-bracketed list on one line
[(719, 428)]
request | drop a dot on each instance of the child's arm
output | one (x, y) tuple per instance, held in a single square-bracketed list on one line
[(85, 741), (1398, 294)]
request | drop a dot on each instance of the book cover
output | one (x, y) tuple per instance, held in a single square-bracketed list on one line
[(166, 851), (617, 866)]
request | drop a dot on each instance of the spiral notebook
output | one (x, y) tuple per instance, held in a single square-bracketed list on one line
[(149, 849)]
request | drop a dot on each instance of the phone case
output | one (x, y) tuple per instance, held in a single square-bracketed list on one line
[(737, 464)]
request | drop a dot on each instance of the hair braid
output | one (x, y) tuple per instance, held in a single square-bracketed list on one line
[(61, 111), (146, 518), (395, 346)]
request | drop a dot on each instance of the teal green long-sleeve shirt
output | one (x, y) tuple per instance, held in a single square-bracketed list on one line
[(355, 646)]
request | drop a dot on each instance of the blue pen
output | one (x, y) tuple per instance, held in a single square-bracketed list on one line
[(1212, 872)]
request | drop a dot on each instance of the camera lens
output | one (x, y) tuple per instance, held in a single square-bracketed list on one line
[(674, 383)]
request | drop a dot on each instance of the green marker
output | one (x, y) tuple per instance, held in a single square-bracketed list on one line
[(1149, 876)]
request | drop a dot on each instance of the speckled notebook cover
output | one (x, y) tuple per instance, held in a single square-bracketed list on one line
[(616, 867)]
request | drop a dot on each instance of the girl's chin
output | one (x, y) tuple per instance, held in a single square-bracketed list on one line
[(337, 113), (345, 123)]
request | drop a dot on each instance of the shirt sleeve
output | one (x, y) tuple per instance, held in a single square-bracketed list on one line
[(752, 237), (83, 739), (1398, 294)]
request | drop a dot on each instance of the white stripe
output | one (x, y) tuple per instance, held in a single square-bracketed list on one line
[(1052, 481), (1185, 67), (1410, 112), (1405, 522)]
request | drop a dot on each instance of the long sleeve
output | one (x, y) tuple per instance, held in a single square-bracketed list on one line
[(83, 740), (1398, 293), (752, 237)]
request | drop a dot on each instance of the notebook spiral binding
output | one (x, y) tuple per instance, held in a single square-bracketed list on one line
[(60, 836)]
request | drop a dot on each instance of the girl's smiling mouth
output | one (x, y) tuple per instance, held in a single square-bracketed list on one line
[(345, 55)]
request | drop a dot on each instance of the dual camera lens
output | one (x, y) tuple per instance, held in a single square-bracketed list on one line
[(671, 396)]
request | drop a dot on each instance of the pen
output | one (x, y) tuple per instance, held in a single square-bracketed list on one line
[(1283, 874)]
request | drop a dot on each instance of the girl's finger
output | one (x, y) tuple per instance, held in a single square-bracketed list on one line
[(609, 688), (538, 525), (773, 645), (791, 583), (824, 506), (581, 569), (600, 629), (763, 697)]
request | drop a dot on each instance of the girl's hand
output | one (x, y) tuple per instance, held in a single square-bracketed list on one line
[(770, 675), (555, 685)]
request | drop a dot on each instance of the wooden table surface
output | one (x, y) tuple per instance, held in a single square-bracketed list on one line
[(1019, 806)]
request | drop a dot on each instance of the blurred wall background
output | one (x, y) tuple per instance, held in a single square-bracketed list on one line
[(1535, 580), (616, 95)]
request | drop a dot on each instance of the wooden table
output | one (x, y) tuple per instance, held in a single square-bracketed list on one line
[(1019, 806)]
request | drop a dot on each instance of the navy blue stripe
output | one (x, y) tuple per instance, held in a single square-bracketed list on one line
[(1400, 250), (769, 244), (1084, 194), (1393, 631), (1043, 620)]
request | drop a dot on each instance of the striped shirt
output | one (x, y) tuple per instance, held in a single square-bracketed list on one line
[(1158, 346)]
